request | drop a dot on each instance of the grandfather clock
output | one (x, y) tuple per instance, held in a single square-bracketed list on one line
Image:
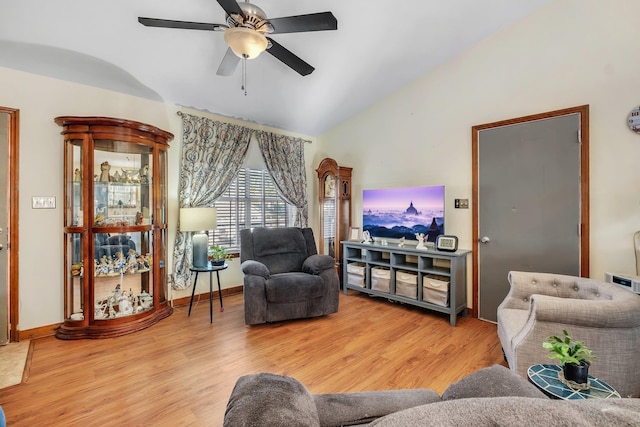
[(334, 189)]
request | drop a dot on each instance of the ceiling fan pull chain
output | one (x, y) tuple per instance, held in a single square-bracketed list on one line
[(244, 74)]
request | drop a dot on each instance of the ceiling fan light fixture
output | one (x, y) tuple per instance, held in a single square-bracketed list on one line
[(245, 42)]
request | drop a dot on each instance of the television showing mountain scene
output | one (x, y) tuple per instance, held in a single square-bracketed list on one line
[(394, 213)]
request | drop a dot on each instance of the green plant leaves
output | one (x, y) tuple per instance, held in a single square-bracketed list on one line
[(566, 350)]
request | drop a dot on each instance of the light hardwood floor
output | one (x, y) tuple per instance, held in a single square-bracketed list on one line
[(182, 370)]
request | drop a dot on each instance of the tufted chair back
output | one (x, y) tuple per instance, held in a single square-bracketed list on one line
[(525, 284)]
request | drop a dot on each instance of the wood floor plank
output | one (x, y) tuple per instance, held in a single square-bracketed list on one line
[(181, 371)]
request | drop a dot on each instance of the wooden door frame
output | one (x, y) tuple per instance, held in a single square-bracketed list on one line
[(12, 223), (583, 112)]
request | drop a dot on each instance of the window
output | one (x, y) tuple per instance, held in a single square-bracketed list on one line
[(250, 201)]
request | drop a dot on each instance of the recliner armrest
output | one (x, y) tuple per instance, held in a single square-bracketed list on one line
[(255, 268), (315, 264)]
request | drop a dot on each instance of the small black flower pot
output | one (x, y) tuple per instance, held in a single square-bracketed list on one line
[(217, 263), (579, 374)]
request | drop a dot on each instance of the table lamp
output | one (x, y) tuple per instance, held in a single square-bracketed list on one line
[(199, 220)]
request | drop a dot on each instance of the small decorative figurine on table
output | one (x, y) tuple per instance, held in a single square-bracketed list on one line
[(420, 237), (366, 237), (401, 243)]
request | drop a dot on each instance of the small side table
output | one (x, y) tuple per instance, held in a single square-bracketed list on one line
[(210, 269), (545, 377)]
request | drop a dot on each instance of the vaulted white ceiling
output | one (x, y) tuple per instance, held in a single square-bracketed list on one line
[(380, 46)]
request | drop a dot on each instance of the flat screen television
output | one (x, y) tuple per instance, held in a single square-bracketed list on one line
[(394, 213)]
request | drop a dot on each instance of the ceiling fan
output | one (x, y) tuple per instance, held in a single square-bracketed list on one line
[(247, 30)]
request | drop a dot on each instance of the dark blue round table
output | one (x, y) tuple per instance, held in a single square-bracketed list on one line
[(545, 377), (210, 269)]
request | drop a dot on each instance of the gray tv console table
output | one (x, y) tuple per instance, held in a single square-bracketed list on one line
[(423, 263)]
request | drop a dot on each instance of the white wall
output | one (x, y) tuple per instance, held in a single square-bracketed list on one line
[(568, 53), (41, 99)]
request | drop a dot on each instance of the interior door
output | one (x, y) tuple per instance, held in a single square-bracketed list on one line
[(530, 201)]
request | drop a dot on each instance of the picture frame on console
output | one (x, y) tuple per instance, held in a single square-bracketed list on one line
[(354, 234)]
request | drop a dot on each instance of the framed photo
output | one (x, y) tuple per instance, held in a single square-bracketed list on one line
[(354, 234), (446, 243)]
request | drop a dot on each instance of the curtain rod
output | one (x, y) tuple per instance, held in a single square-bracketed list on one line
[(306, 141)]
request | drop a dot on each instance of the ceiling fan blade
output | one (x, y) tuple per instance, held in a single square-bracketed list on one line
[(229, 63), (231, 7), (312, 22), (167, 23), (289, 58)]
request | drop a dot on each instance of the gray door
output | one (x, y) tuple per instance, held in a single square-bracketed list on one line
[(4, 260), (529, 203)]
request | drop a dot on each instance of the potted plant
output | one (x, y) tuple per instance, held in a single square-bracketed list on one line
[(574, 357), (218, 255)]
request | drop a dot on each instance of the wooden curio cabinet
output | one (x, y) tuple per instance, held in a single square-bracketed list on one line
[(115, 226), (334, 189)]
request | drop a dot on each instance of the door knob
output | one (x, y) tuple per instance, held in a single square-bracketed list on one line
[(1, 247), (484, 239)]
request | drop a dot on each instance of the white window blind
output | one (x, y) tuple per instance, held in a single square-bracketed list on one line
[(250, 201)]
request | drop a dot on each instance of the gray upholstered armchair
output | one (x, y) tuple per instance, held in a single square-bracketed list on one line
[(285, 278), (603, 315)]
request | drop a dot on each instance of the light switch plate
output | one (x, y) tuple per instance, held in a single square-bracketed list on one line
[(43, 202), (462, 203)]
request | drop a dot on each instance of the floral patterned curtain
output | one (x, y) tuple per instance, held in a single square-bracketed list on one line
[(212, 154), (284, 157)]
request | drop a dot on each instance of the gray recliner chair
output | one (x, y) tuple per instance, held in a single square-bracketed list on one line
[(285, 277)]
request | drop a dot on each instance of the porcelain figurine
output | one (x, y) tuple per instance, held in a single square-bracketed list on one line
[(103, 267), (124, 305), (143, 174), (132, 261), (146, 300), (105, 167), (119, 263), (420, 237)]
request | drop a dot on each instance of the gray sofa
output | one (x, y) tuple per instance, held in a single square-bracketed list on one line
[(492, 396), (603, 315), (284, 277)]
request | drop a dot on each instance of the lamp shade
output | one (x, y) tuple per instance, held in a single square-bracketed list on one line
[(245, 42), (197, 219)]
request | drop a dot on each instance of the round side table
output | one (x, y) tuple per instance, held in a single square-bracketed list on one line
[(545, 377), (208, 269)]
